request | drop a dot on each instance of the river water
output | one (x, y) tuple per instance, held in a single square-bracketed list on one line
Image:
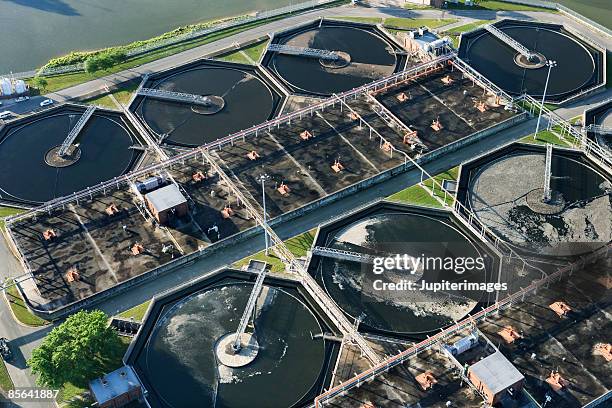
[(33, 31)]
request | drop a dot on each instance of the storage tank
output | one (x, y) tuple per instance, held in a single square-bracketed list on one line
[(463, 344), (5, 87), (149, 184), (20, 86)]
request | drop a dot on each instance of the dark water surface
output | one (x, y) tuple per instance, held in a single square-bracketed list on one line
[(33, 31), (181, 366)]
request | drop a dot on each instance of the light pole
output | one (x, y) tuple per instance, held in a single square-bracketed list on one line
[(550, 64), (263, 178)]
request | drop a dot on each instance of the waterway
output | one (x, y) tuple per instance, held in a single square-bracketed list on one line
[(33, 31)]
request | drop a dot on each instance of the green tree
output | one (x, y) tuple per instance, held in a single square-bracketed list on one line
[(75, 351), (104, 60), (40, 83)]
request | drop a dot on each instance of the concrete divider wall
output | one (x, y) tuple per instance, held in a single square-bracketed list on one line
[(186, 259)]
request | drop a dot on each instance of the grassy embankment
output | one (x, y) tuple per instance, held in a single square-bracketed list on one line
[(418, 195), (20, 310), (497, 6), (401, 23)]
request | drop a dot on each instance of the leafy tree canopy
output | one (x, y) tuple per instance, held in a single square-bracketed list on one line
[(75, 351)]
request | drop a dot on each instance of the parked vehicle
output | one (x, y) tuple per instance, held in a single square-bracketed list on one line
[(6, 114), (46, 102), (5, 351)]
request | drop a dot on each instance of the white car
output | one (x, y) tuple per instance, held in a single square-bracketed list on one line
[(46, 102)]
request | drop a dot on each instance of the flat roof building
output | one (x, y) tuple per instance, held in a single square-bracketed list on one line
[(166, 202), (117, 388), (494, 375)]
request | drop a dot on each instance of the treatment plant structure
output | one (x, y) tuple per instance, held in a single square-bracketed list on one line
[(211, 153)]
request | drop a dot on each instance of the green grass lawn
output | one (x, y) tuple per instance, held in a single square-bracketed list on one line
[(102, 100), (417, 22), (454, 33), (70, 394), (544, 137), (21, 312), (298, 246), (418, 195), (6, 384), (498, 6), (402, 23), (7, 211), (137, 312), (253, 51), (122, 95)]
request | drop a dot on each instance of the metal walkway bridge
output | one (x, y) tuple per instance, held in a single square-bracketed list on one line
[(250, 306), (342, 254), (303, 51), (176, 96), (599, 129), (520, 48), (76, 130), (548, 173)]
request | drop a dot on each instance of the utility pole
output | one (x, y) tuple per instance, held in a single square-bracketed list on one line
[(550, 64), (263, 178)]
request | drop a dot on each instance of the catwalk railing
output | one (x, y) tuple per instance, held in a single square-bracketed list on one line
[(175, 96), (228, 140), (303, 51), (517, 46), (74, 133), (342, 254), (468, 322)]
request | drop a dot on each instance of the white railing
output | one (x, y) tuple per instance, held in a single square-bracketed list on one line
[(303, 51), (342, 254), (175, 96), (74, 133), (248, 310), (548, 172), (599, 129), (520, 48)]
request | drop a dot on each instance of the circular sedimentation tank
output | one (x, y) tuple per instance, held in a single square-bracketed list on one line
[(365, 55), (604, 119), (180, 358), (506, 195), (28, 149), (239, 99), (351, 285), (577, 64)]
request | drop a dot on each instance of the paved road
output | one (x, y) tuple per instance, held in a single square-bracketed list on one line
[(465, 16)]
